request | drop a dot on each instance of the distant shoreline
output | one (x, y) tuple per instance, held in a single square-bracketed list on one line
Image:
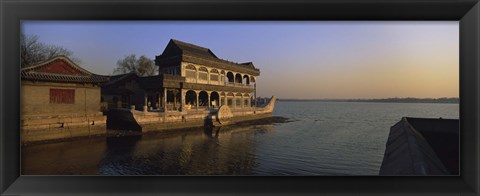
[(387, 100)]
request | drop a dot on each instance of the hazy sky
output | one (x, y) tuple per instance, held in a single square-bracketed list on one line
[(315, 59)]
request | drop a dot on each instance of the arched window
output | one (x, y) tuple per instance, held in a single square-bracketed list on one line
[(203, 98), (230, 99), (202, 73), (246, 100), (238, 99), (252, 79), (214, 75), (203, 69), (230, 77), (191, 98), (222, 99), (190, 71), (246, 80), (215, 99), (238, 78)]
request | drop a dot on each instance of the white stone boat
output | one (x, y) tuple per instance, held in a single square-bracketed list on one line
[(146, 121)]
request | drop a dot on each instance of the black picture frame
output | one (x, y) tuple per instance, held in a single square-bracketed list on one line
[(465, 11)]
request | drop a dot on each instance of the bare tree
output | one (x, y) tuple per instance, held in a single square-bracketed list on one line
[(32, 51), (143, 66)]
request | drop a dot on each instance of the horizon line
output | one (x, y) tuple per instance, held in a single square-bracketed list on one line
[(364, 98)]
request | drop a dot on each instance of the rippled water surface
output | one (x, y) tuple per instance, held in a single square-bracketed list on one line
[(321, 138)]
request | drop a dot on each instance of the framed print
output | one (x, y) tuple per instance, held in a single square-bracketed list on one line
[(239, 97)]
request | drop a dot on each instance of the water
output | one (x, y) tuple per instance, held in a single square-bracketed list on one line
[(323, 138)]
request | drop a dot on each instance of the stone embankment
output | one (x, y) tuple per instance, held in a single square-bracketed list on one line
[(125, 122)]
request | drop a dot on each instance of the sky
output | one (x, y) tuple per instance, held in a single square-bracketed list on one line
[(297, 59)]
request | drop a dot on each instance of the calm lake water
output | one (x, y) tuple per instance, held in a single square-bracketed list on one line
[(321, 138)]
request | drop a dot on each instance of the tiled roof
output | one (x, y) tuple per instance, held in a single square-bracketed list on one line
[(60, 69), (116, 78), (192, 49), (158, 81), (197, 54), (248, 64), (145, 82), (151, 82)]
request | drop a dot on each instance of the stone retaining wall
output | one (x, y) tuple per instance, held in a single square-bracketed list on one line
[(42, 128)]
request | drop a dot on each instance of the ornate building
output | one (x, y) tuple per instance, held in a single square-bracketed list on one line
[(190, 78), (209, 80)]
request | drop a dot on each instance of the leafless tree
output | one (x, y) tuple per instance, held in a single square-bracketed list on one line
[(143, 66), (32, 51)]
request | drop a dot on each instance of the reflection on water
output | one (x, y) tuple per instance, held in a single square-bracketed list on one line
[(321, 138), (219, 150), (69, 158)]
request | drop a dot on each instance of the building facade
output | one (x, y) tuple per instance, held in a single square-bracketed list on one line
[(60, 99), (209, 80), (190, 78)]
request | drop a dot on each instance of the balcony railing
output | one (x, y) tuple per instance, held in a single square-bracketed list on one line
[(239, 84), (199, 81)]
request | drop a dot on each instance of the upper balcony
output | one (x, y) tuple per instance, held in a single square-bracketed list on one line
[(204, 75), (239, 84), (220, 83)]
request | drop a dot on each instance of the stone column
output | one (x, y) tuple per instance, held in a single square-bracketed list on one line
[(249, 100), (241, 102), (234, 82), (255, 98), (198, 95), (182, 70), (208, 77), (219, 99), (234, 101), (196, 74), (145, 105), (165, 99), (182, 97), (208, 98), (174, 99)]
